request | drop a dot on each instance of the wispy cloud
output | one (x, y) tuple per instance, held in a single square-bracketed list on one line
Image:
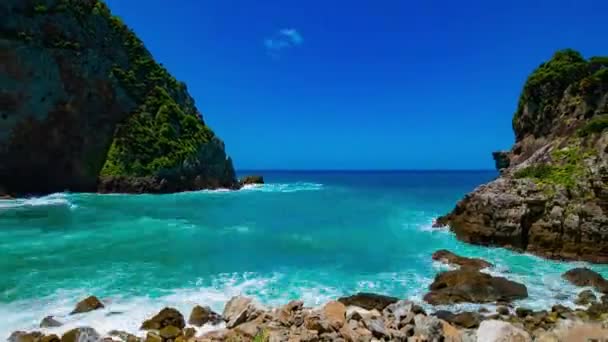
[(282, 40)]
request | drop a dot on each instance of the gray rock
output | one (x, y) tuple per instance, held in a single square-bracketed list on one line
[(49, 322)]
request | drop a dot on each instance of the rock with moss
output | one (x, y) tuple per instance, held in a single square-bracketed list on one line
[(551, 198), (84, 103)]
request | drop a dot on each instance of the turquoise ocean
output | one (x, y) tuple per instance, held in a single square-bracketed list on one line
[(304, 235)]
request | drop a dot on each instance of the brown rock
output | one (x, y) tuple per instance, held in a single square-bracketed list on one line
[(50, 338), (202, 315), (586, 297), (469, 285), (22, 336), (450, 258), (335, 313), (88, 304), (152, 337), (170, 332), (49, 322), (239, 310), (166, 317), (251, 180), (368, 301), (85, 334), (586, 277)]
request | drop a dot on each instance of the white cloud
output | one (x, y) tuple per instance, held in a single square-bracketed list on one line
[(281, 40)]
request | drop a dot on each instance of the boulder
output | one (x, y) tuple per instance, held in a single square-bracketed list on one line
[(22, 336), (84, 334), (124, 336), (335, 313), (166, 317), (201, 315), (470, 285), (450, 258), (368, 301), (170, 332), (583, 276), (289, 313), (254, 179), (377, 328), (429, 328), (51, 338), (499, 331), (88, 304), (49, 322), (239, 310), (466, 320), (586, 297)]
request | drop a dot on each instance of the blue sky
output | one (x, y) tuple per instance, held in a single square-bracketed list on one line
[(390, 84)]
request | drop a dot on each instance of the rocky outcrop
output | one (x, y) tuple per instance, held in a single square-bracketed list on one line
[(166, 317), (586, 277), (49, 322), (82, 98), (201, 315), (333, 321), (251, 180), (471, 286), (88, 304), (369, 301), (551, 198), (450, 258)]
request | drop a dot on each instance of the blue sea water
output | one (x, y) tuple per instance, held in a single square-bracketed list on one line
[(308, 235)]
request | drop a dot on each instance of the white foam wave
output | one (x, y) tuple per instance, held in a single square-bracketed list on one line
[(127, 313), (54, 200), (284, 187)]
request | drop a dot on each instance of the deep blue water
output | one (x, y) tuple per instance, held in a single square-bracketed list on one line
[(310, 235)]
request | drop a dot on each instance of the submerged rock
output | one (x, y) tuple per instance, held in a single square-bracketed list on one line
[(49, 322), (166, 317), (368, 301), (450, 258), (586, 297), (202, 315), (88, 304), (470, 285)]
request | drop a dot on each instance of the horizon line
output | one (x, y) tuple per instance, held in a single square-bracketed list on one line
[(362, 170)]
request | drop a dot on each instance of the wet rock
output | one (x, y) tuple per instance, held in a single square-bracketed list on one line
[(166, 317), (586, 277), (586, 297), (88, 304), (254, 179), (22, 336), (368, 301), (124, 336), (85, 334), (50, 338), (596, 310), (201, 315), (450, 258), (466, 320), (152, 336), (469, 285), (49, 322), (523, 312), (335, 313), (499, 331), (503, 310), (170, 332)]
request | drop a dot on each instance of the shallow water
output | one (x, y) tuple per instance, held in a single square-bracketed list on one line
[(308, 235)]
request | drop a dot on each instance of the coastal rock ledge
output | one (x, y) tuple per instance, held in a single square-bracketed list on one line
[(85, 107), (551, 198)]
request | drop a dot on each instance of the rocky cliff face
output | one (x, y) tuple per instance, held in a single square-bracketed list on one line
[(82, 101), (552, 196)]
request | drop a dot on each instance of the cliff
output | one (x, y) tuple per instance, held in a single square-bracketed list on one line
[(84, 106), (551, 198)]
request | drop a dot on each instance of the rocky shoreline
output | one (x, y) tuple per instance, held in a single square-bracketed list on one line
[(372, 317)]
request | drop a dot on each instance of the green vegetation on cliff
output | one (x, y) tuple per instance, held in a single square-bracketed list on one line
[(166, 129), (568, 71), (566, 167)]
